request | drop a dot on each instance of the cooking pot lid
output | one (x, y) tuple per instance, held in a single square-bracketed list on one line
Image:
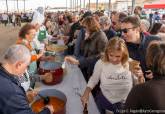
[(49, 65)]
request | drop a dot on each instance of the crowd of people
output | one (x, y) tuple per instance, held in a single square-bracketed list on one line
[(121, 56), (15, 19)]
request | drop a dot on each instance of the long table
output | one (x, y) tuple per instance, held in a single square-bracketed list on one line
[(73, 86)]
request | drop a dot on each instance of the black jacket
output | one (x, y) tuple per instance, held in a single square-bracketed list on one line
[(110, 33), (92, 49), (149, 96), (138, 51)]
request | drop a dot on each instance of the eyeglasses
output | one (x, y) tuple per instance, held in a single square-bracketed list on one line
[(125, 30)]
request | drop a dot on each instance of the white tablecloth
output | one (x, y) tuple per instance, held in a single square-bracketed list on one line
[(73, 85)]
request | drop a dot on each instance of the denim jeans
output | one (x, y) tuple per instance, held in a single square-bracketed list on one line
[(103, 104)]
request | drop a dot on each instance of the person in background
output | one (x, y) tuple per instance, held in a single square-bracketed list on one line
[(151, 18), (91, 47), (97, 15), (49, 26), (144, 26), (75, 18), (5, 18), (105, 24), (162, 29), (112, 17), (116, 22), (81, 36), (156, 17), (26, 36), (13, 19), (75, 26), (115, 78), (150, 95), (13, 98), (161, 33), (158, 29), (155, 28), (163, 19), (41, 37), (138, 11), (67, 25), (136, 41)]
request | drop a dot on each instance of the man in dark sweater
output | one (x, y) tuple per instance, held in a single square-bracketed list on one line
[(13, 98), (137, 42), (148, 98)]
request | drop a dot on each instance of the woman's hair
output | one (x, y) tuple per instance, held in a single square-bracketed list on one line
[(116, 44), (155, 28), (91, 23), (156, 58), (69, 18), (46, 20), (162, 29), (25, 30), (163, 16), (138, 8)]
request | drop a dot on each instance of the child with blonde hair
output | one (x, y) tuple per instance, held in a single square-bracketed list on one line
[(115, 78)]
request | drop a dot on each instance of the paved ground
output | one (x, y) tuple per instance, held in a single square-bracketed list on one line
[(8, 36)]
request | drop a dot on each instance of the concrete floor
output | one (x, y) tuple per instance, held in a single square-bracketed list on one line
[(8, 36)]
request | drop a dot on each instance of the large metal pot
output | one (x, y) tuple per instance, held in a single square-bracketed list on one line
[(51, 93), (51, 67)]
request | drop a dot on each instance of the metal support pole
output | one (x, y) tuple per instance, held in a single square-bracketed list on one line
[(66, 5), (17, 6), (97, 4), (7, 6), (80, 5), (133, 6), (73, 5), (77, 6), (24, 6), (89, 5), (109, 7)]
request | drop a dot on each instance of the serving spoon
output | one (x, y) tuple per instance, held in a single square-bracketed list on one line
[(45, 98)]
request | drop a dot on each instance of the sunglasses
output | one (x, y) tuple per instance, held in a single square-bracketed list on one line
[(125, 30)]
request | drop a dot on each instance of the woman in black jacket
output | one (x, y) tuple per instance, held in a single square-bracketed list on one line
[(91, 47)]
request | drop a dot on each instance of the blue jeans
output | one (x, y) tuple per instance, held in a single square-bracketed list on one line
[(103, 104)]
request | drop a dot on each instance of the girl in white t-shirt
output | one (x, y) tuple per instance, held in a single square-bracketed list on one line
[(115, 78)]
